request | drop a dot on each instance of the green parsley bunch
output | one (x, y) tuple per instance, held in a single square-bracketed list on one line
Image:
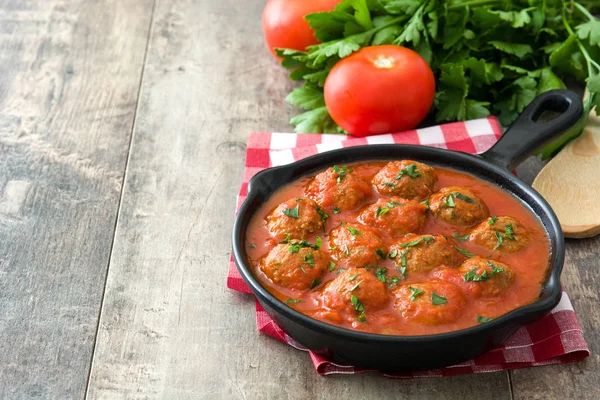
[(488, 56)]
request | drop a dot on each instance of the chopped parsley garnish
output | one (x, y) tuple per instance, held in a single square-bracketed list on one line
[(410, 170), (354, 232), (252, 246), (464, 252), (426, 203), (381, 211), (415, 292), (331, 266), (341, 172), (347, 252), (499, 238), (389, 184), (463, 197), (336, 210), (403, 272), (292, 212), (353, 277), (392, 281), (296, 245), (509, 232), (380, 253), (355, 286), (492, 220), (380, 274), (403, 258), (357, 304), (332, 248), (293, 301), (481, 319), (393, 254), (472, 276), (457, 195), (437, 300), (392, 204), (299, 199), (315, 283), (287, 239), (323, 214), (309, 259), (426, 239), (302, 268), (461, 238), (362, 318)]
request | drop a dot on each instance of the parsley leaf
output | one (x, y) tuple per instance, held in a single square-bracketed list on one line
[(336, 210), (354, 232), (481, 319), (492, 220), (472, 275), (341, 172), (460, 238), (509, 232), (292, 212), (499, 238), (437, 300), (331, 266), (464, 252), (315, 283), (426, 239), (380, 274), (415, 292), (410, 170), (293, 301)]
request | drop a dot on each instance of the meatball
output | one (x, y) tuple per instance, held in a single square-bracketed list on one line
[(407, 179), (429, 303), (295, 267), (338, 187), (396, 215), (503, 234), (296, 217), (458, 206), (368, 292), (422, 253), (486, 278), (356, 245)]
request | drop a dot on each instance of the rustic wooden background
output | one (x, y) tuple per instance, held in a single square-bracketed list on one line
[(122, 137)]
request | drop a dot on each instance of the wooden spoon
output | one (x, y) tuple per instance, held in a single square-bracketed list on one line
[(571, 183)]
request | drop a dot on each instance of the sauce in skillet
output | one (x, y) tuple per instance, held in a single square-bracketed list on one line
[(398, 248)]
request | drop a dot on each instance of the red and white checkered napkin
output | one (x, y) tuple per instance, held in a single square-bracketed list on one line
[(556, 338)]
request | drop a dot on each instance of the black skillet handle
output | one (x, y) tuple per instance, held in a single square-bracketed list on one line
[(527, 135)]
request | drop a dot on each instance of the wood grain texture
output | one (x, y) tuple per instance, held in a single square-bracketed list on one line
[(69, 79), (169, 327), (581, 278)]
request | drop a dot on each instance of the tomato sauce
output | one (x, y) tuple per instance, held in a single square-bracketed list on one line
[(529, 264)]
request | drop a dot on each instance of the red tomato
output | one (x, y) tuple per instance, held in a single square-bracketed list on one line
[(380, 89), (284, 25)]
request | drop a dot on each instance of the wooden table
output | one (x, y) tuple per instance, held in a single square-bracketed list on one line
[(122, 135)]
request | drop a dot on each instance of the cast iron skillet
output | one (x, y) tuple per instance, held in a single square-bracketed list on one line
[(398, 353)]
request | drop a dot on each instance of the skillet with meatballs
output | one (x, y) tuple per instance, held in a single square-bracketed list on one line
[(398, 248)]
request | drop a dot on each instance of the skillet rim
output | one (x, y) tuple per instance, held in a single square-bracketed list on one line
[(545, 302)]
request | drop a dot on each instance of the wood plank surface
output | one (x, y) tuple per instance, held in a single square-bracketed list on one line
[(69, 79), (169, 327), (581, 278)]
